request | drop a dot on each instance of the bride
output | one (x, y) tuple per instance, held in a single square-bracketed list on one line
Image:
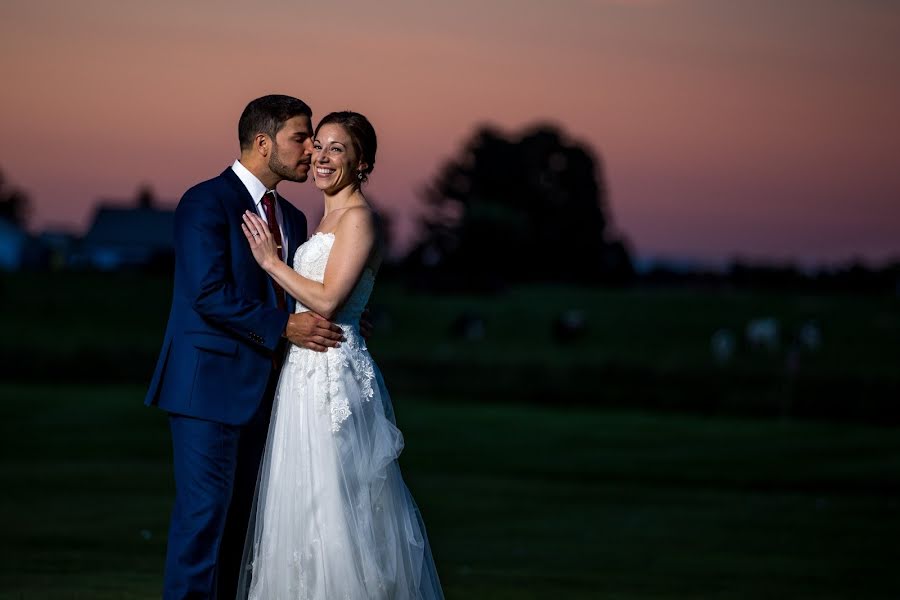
[(333, 518)]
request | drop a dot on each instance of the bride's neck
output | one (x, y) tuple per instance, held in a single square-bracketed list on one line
[(344, 198)]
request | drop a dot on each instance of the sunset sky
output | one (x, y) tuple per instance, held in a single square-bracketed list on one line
[(767, 129)]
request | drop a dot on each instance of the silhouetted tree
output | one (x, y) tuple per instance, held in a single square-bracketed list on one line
[(13, 203), (531, 208), (146, 198)]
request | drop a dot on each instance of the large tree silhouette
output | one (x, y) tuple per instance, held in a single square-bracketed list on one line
[(13, 203), (518, 209)]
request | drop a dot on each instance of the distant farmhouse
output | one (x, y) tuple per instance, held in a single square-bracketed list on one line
[(19, 249), (125, 237), (13, 245)]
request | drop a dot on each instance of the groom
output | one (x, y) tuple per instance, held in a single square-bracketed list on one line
[(227, 331)]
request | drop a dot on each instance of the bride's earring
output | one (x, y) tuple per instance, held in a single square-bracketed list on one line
[(359, 175)]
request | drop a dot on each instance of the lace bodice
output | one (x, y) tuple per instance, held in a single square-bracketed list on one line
[(310, 261)]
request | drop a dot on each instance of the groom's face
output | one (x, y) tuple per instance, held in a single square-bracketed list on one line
[(292, 149)]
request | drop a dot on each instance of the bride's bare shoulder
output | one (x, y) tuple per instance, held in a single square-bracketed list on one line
[(358, 219)]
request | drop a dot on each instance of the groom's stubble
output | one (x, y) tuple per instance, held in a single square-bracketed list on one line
[(277, 166)]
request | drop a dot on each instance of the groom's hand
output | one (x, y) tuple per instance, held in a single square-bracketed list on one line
[(309, 330)]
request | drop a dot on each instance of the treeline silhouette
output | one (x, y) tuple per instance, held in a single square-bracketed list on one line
[(532, 207), (850, 277), (529, 207)]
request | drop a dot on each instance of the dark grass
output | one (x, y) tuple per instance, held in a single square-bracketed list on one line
[(520, 501), (662, 330), (667, 330), (643, 348)]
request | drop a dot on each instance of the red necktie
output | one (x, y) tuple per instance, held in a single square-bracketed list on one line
[(268, 201)]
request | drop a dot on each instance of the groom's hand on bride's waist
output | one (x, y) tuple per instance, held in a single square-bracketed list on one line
[(309, 330)]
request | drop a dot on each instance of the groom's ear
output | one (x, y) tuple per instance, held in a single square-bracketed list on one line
[(261, 144)]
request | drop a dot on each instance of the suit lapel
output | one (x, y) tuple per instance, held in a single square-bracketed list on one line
[(291, 227), (235, 183), (240, 189)]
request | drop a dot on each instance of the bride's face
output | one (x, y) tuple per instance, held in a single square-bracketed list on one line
[(334, 159)]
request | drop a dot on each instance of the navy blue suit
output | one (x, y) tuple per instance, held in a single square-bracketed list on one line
[(215, 377)]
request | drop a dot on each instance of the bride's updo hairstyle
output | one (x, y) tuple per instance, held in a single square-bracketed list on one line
[(362, 134)]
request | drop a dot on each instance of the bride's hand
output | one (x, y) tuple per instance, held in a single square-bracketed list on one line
[(260, 239)]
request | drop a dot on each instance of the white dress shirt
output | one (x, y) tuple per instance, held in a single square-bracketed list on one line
[(257, 191)]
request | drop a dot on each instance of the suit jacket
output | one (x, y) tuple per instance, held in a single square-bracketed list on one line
[(224, 325)]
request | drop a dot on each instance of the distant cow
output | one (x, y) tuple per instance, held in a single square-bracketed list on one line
[(762, 333), (810, 335), (569, 326), (722, 345)]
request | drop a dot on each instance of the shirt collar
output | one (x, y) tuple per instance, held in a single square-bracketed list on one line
[(254, 186)]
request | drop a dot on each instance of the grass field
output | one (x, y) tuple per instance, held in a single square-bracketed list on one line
[(61, 315), (646, 348), (521, 502)]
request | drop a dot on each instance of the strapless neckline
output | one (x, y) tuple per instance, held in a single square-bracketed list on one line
[(311, 260), (330, 234)]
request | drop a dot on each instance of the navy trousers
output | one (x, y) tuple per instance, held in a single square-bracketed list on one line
[(216, 467)]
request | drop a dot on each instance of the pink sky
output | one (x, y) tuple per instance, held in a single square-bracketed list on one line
[(760, 128)]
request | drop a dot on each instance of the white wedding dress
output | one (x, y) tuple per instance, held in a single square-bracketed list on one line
[(333, 519)]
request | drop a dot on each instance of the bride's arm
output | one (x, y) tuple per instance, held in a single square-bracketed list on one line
[(354, 240)]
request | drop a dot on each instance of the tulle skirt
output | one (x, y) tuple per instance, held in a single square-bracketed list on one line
[(333, 518)]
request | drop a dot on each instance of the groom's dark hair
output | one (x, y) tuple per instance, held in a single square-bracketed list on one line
[(267, 115)]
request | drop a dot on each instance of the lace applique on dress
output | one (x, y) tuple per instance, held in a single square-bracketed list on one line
[(310, 261)]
